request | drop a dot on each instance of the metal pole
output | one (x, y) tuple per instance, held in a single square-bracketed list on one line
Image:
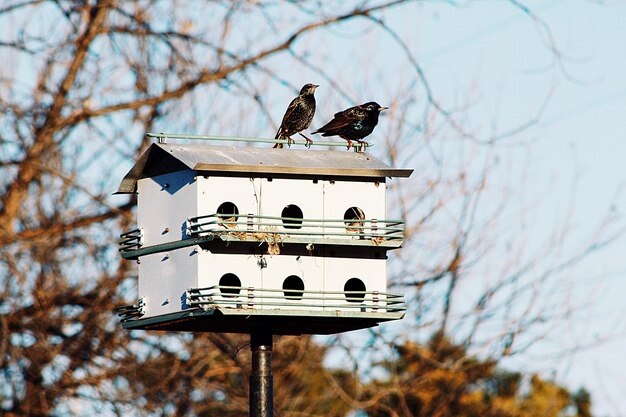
[(261, 378)]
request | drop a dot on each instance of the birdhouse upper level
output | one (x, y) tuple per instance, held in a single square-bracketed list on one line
[(252, 194)]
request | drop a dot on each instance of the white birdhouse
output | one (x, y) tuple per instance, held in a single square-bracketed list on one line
[(236, 238)]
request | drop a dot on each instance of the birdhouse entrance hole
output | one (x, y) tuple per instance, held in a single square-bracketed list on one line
[(351, 217), (228, 211), (292, 213), (230, 280), (352, 285), (293, 287)]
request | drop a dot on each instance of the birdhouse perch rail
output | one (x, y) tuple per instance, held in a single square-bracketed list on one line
[(361, 228), (131, 240), (271, 229), (250, 297), (162, 138), (269, 301), (128, 312)]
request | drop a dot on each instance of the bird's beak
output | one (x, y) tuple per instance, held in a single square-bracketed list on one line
[(315, 86), (382, 108)]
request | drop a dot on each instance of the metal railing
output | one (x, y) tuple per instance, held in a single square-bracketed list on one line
[(131, 312), (280, 229), (132, 240), (163, 137), (272, 230), (261, 298)]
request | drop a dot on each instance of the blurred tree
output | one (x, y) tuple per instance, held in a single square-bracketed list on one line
[(442, 379), (81, 82)]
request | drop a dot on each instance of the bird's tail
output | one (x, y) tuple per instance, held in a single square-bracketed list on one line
[(279, 135), (322, 132)]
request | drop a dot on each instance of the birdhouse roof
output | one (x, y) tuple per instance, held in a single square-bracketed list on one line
[(162, 158)]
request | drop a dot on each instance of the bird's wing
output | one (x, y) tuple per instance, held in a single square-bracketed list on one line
[(290, 109), (344, 118), (351, 112)]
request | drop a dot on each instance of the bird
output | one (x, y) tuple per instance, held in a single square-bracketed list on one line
[(298, 116), (354, 123)]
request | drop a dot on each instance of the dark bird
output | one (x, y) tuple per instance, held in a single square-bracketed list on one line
[(354, 123), (298, 116)]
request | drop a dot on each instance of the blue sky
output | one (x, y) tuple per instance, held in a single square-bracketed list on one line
[(579, 144)]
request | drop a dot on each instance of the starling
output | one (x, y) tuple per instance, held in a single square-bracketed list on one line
[(354, 123), (298, 116)]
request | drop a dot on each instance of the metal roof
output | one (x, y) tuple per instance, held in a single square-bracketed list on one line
[(161, 158)]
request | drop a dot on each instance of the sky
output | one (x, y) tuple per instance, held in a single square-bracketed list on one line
[(578, 147)]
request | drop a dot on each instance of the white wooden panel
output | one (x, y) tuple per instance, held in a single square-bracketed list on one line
[(212, 267), (164, 278), (339, 196), (242, 192), (337, 271), (308, 268), (164, 203), (280, 193)]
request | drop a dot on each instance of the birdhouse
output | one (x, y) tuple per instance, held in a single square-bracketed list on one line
[(240, 238)]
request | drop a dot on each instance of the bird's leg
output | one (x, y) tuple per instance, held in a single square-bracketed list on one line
[(308, 143), (349, 143), (290, 141), (363, 146)]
